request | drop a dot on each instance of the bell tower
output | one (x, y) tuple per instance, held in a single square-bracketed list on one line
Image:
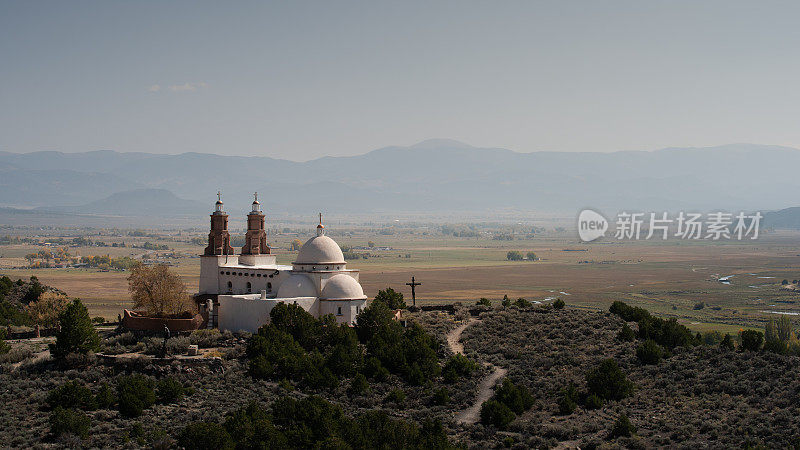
[(219, 239), (256, 237)]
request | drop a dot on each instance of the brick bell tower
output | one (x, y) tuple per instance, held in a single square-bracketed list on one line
[(219, 239), (256, 237)]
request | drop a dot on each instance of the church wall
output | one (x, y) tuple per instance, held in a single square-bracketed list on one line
[(349, 309), (249, 313), (259, 279)]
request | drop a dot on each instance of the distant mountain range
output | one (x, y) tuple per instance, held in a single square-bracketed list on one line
[(432, 176)]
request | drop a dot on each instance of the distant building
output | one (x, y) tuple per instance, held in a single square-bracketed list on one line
[(244, 288)]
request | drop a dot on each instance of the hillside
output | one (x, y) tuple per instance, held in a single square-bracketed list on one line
[(436, 175), (788, 218), (138, 202)]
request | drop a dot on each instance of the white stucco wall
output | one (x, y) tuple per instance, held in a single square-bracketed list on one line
[(250, 312)]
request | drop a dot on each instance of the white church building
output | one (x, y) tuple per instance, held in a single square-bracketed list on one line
[(244, 288)]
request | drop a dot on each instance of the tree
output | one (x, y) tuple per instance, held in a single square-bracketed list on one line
[(649, 352), (46, 310), (35, 290), (392, 298), (506, 301), (77, 334), (484, 302), (514, 255), (608, 382), (558, 304), (751, 340), (727, 342), (370, 244), (295, 245), (496, 413), (205, 436), (626, 334), (158, 290), (780, 330), (531, 256)]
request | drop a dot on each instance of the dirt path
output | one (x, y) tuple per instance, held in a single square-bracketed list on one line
[(486, 388), (485, 391), (454, 336)]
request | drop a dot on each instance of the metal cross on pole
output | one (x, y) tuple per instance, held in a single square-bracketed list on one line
[(413, 285)]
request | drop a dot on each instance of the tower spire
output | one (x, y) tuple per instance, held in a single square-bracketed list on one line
[(320, 227)]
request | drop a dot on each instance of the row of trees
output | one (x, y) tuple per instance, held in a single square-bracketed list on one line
[(515, 255), (311, 422), (318, 352)]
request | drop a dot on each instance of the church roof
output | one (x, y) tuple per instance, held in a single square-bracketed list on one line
[(342, 287), (297, 285), (320, 250)]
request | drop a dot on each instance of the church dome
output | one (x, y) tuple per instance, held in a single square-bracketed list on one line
[(342, 287), (320, 249), (297, 286)]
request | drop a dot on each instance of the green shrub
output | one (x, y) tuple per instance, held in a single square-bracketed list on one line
[(458, 366), (516, 397), (135, 394), (649, 352), (568, 400), (359, 385), (169, 390), (63, 420), (751, 340), (375, 370), (77, 334), (775, 346), (593, 402), (4, 347), (622, 427), (396, 396), (72, 395), (105, 396), (484, 302), (522, 303), (626, 334), (559, 304), (441, 397), (607, 381), (205, 436), (496, 413), (506, 301), (98, 320)]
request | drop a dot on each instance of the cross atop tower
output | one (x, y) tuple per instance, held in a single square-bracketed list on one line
[(219, 196), (320, 219), (255, 196)]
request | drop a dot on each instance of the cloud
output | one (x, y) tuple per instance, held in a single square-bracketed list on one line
[(187, 87), (154, 88)]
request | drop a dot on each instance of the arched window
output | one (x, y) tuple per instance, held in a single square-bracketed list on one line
[(249, 287), (339, 311), (269, 286), (230, 287)]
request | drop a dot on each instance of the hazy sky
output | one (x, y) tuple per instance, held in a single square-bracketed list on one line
[(299, 80)]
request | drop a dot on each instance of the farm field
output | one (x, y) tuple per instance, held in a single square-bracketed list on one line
[(671, 278)]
